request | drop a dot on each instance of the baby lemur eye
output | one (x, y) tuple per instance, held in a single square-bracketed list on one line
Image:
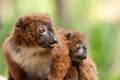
[(42, 29), (85, 47)]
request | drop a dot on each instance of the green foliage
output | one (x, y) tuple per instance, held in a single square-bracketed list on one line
[(101, 38), (5, 31), (115, 77)]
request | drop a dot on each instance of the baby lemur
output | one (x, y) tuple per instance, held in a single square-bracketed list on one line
[(82, 67), (31, 52)]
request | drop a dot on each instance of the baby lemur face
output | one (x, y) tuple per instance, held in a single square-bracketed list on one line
[(80, 52), (77, 43), (35, 30)]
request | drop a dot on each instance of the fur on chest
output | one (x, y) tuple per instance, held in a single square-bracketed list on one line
[(33, 61)]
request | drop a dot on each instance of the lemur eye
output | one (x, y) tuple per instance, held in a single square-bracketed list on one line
[(84, 47), (41, 30)]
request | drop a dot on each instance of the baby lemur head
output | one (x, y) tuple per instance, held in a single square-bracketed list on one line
[(34, 30), (77, 43)]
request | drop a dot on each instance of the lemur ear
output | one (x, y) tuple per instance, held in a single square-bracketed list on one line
[(69, 35), (23, 22), (20, 24)]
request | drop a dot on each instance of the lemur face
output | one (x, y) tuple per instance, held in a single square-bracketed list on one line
[(35, 30), (79, 53)]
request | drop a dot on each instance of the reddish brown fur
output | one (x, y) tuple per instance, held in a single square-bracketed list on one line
[(84, 70), (72, 74), (62, 63), (29, 40), (87, 70)]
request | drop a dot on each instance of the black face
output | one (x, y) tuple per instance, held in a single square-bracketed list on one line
[(79, 53), (47, 37)]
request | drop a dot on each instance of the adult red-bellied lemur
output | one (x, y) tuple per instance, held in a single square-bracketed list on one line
[(30, 50)]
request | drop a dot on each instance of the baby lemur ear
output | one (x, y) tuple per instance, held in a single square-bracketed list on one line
[(69, 35)]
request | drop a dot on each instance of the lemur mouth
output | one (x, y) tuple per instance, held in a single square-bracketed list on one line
[(53, 45), (48, 46), (81, 57)]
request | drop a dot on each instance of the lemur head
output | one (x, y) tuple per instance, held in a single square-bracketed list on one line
[(35, 30), (77, 43)]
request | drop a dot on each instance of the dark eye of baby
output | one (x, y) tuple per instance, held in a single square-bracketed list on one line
[(84, 47)]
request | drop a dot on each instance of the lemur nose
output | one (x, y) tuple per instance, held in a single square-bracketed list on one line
[(55, 41), (85, 56)]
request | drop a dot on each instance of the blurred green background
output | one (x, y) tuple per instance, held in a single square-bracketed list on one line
[(100, 19)]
